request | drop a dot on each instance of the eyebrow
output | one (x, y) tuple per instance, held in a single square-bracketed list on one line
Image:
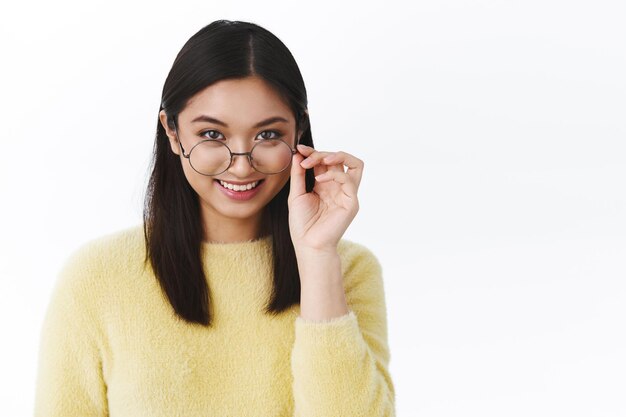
[(205, 118)]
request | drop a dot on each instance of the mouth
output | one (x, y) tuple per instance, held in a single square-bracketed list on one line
[(240, 194), (239, 188)]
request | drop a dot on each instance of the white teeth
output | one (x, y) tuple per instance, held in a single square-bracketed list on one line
[(239, 187)]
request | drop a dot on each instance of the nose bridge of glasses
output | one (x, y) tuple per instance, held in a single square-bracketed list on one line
[(241, 163), (239, 147)]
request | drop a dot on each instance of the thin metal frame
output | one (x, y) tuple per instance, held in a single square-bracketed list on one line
[(232, 154)]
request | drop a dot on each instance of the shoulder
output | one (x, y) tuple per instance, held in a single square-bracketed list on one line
[(89, 265), (354, 253), (359, 264), (86, 285), (112, 248)]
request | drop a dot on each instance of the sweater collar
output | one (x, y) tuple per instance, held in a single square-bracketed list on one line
[(251, 244)]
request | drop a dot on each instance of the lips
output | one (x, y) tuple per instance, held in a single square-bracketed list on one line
[(240, 182), (240, 195)]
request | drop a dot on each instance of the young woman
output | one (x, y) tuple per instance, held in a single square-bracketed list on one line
[(237, 296)]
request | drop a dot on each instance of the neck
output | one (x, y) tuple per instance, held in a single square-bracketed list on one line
[(230, 230)]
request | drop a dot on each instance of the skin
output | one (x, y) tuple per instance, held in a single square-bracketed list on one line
[(240, 103), (317, 220)]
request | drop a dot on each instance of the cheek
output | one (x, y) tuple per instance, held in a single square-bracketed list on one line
[(197, 181), (273, 185), (281, 179)]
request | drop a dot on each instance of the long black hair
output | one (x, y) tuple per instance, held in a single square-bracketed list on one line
[(172, 221)]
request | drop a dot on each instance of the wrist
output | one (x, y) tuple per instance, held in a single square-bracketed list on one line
[(319, 267), (317, 258), (312, 252)]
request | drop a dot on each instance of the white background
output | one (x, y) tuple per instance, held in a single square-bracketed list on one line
[(493, 136)]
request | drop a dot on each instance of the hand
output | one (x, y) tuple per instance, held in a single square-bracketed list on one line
[(318, 220)]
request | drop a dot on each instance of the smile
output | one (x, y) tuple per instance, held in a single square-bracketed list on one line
[(242, 187)]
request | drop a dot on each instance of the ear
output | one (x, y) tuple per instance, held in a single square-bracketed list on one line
[(172, 135)]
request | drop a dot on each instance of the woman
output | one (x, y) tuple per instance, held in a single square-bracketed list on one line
[(237, 296)]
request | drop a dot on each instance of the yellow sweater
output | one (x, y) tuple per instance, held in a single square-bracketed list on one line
[(112, 346)]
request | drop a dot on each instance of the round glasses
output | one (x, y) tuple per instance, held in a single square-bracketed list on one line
[(212, 156)]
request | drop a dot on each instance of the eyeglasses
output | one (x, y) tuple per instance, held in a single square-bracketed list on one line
[(212, 157)]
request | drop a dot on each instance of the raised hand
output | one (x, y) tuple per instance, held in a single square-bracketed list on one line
[(318, 220)]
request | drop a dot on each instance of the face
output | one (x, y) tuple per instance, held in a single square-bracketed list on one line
[(239, 104)]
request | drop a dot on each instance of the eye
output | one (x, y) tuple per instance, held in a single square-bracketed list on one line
[(276, 134), (210, 132), (266, 134)]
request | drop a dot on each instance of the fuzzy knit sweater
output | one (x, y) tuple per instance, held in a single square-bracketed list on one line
[(111, 344)]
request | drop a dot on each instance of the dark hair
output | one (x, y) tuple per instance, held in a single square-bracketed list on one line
[(172, 222)]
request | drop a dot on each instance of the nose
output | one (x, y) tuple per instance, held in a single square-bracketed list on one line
[(241, 166)]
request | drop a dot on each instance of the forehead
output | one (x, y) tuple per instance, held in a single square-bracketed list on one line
[(238, 102)]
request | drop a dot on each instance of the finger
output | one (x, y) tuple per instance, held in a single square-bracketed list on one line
[(320, 167), (313, 157), (307, 150), (304, 149), (354, 164), (297, 185), (348, 186)]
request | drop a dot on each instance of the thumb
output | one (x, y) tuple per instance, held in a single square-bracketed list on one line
[(297, 185)]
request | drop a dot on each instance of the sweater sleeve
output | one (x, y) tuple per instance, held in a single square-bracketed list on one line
[(69, 374), (340, 366)]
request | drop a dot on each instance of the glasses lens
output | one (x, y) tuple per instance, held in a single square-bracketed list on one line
[(212, 157), (271, 156)]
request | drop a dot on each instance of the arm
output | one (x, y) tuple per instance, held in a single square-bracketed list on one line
[(321, 299), (69, 376), (340, 356)]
